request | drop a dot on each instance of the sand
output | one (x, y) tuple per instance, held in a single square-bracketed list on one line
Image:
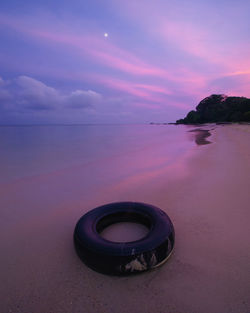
[(206, 194), (201, 135)]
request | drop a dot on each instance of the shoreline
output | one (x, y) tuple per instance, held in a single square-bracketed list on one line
[(206, 195), (201, 135)]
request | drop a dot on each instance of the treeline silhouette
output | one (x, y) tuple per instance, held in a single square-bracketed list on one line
[(219, 108)]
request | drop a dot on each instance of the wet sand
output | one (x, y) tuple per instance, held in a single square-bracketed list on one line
[(201, 135), (206, 194)]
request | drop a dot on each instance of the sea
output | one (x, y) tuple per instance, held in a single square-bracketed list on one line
[(30, 151), (59, 172)]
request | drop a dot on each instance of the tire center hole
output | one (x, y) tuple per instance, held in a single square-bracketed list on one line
[(124, 226), (124, 232)]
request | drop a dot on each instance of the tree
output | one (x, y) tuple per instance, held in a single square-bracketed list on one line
[(246, 116), (219, 108)]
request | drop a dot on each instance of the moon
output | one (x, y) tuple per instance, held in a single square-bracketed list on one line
[(106, 35)]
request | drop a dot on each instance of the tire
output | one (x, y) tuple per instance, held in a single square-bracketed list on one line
[(119, 258)]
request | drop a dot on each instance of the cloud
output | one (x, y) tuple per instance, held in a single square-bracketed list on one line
[(92, 47), (28, 100), (82, 99), (27, 93), (233, 84), (35, 95), (4, 94), (109, 64)]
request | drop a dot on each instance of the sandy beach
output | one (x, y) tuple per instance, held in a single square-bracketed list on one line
[(206, 194)]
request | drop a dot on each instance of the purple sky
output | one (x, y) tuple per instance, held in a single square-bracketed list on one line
[(159, 60)]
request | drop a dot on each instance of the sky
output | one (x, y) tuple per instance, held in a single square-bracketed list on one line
[(116, 61)]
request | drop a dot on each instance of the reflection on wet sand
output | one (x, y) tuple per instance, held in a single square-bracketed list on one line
[(201, 135)]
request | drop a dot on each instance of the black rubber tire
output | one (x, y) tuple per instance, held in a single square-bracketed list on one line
[(115, 258)]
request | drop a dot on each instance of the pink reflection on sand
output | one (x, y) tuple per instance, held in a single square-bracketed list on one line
[(155, 170)]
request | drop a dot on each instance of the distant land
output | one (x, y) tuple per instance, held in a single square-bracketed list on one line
[(219, 109)]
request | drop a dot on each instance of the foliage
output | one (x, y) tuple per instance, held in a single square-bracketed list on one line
[(219, 108), (246, 116)]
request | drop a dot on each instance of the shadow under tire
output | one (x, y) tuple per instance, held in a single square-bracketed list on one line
[(124, 258)]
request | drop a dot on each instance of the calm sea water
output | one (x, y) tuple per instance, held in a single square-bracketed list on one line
[(123, 149), (47, 172)]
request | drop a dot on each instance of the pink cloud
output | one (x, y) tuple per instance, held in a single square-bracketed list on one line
[(151, 83), (237, 73), (100, 50), (151, 96), (146, 105), (190, 38), (157, 89), (108, 54), (211, 45), (28, 93), (233, 84), (196, 29)]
